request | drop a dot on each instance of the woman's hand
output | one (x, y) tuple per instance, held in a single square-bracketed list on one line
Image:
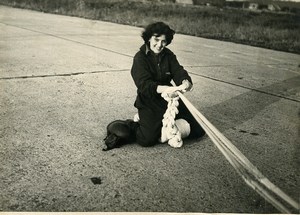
[(171, 92), (164, 88), (186, 86)]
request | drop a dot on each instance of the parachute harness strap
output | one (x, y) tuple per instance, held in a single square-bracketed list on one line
[(169, 131)]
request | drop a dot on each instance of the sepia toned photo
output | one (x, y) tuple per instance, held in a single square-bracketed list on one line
[(149, 107)]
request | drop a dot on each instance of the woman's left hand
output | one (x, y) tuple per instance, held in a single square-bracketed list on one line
[(186, 86)]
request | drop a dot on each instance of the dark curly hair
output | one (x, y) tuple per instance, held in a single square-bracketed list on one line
[(158, 28)]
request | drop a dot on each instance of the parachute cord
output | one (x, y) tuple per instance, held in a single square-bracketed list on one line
[(250, 174)]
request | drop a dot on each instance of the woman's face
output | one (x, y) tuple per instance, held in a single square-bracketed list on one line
[(158, 43)]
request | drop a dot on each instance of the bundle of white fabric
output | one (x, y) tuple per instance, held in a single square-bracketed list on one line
[(173, 130)]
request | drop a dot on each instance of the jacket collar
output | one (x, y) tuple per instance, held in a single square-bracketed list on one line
[(147, 49)]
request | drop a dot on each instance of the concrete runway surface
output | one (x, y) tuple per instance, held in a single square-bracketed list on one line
[(63, 79)]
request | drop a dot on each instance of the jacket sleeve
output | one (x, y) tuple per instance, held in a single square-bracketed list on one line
[(142, 77), (178, 72)]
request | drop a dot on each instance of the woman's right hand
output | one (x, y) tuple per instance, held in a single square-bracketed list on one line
[(171, 92)]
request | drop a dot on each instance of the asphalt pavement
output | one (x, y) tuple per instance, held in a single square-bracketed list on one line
[(63, 79)]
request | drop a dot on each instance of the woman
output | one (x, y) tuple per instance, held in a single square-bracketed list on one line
[(154, 66)]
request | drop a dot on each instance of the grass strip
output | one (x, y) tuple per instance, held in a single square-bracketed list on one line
[(272, 30)]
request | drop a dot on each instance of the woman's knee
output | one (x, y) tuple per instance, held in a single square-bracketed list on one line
[(146, 143), (196, 131), (146, 140)]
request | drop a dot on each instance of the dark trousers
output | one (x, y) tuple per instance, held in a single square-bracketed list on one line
[(149, 130)]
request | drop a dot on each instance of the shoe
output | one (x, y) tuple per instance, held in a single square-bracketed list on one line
[(120, 132)]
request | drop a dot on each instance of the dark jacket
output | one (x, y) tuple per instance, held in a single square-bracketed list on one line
[(148, 71)]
